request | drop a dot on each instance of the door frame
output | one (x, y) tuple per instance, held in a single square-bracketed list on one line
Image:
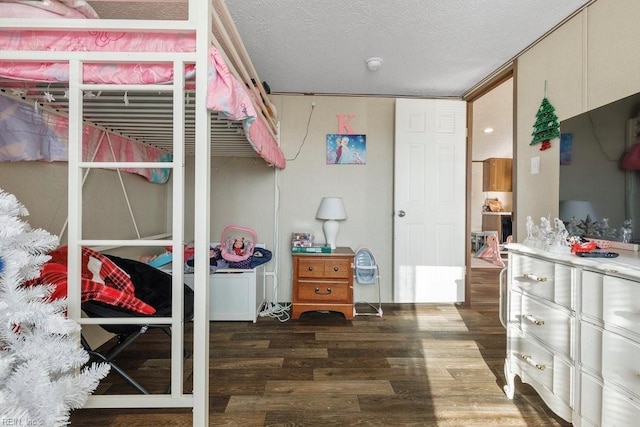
[(471, 96)]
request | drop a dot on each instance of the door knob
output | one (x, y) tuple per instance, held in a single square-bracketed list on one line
[(401, 213)]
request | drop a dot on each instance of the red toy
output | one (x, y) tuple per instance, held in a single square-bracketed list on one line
[(583, 247)]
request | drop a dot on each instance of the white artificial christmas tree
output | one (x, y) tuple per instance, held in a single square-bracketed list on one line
[(42, 377)]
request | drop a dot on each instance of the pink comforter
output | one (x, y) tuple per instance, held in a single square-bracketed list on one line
[(225, 94)]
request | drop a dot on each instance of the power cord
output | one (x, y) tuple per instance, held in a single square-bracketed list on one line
[(313, 105), (277, 311)]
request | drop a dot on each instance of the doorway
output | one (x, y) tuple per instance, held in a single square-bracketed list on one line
[(491, 136)]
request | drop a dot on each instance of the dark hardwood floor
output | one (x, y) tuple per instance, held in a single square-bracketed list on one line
[(418, 365)]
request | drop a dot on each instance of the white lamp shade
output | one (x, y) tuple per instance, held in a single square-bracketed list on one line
[(331, 208)]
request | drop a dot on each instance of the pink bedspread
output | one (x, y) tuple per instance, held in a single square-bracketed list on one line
[(225, 94)]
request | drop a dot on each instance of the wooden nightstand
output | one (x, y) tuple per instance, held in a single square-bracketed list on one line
[(323, 282)]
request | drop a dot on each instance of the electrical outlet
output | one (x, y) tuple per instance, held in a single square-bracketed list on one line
[(313, 103)]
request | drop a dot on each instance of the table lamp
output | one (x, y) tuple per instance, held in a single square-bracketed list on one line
[(331, 210)]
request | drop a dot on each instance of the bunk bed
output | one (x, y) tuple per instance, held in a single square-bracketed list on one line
[(244, 124), (74, 81)]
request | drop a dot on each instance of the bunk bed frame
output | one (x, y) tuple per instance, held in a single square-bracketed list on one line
[(184, 126)]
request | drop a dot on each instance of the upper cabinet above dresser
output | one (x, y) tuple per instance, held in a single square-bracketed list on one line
[(496, 174)]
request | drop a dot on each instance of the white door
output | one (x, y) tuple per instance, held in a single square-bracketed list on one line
[(429, 200)]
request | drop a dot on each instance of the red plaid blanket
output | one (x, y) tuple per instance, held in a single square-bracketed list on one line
[(102, 280)]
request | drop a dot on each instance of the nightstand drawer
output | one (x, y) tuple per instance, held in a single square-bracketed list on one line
[(323, 291), (326, 268)]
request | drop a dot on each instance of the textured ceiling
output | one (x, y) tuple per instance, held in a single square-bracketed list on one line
[(430, 48)]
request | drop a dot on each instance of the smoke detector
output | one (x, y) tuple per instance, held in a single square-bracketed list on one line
[(374, 63)]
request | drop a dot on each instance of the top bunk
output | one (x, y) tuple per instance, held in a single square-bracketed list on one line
[(130, 101)]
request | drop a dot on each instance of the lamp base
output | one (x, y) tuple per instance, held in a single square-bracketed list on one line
[(331, 228)]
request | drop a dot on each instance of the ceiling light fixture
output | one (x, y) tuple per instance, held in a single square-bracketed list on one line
[(488, 130), (374, 63)]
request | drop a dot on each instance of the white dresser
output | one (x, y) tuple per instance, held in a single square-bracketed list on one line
[(573, 333)]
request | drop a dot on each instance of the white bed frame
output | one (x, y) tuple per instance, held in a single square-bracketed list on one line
[(201, 17)]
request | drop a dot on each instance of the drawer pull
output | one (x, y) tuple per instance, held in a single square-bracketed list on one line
[(310, 268), (534, 277), (533, 320), (530, 361), (328, 292), (335, 268)]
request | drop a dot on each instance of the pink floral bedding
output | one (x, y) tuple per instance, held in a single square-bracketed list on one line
[(225, 94)]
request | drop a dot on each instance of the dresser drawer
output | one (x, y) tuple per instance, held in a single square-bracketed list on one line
[(591, 300), (533, 359), (540, 365), (604, 406), (545, 279), (591, 347), (620, 361), (591, 401), (328, 268), (551, 325), (618, 410), (515, 308), (621, 303), (322, 291)]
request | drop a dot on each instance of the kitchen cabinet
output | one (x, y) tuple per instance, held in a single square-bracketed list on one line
[(496, 174), (497, 221)]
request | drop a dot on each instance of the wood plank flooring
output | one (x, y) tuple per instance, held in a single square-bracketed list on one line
[(418, 365)]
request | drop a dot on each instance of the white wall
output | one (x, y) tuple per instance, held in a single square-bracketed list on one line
[(586, 63), (367, 190), (243, 189), (42, 188), (495, 110)]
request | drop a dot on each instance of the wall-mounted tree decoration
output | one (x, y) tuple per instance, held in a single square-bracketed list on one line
[(546, 126)]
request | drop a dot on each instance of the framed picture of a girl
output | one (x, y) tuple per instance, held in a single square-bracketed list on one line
[(346, 149)]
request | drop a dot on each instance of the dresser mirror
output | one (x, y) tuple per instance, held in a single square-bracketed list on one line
[(591, 148)]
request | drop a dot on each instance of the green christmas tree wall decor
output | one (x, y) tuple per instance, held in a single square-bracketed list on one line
[(546, 126)]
